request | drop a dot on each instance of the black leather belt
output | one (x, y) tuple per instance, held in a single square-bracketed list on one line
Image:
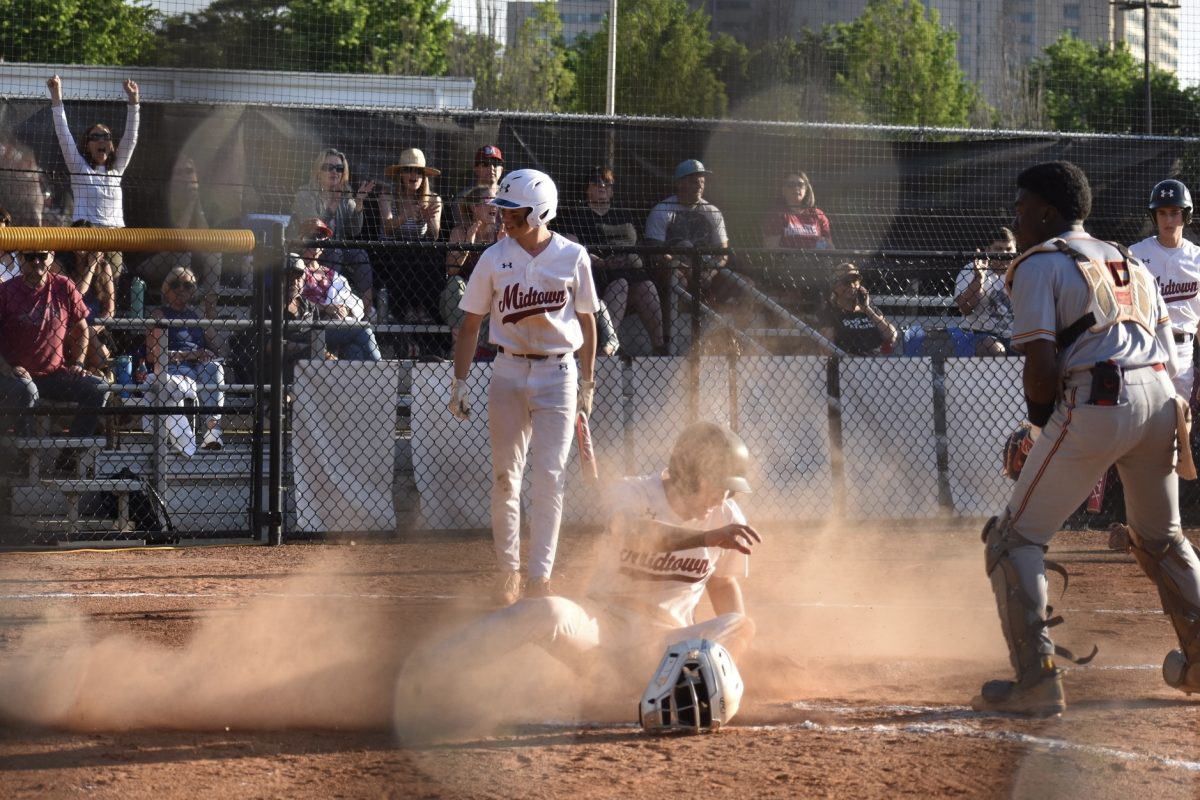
[(1180, 338), (530, 356)]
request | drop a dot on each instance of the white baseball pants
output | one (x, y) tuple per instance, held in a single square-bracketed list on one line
[(531, 415)]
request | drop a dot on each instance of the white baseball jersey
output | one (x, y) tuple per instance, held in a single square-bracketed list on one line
[(664, 586), (1177, 270), (533, 300), (1049, 293)]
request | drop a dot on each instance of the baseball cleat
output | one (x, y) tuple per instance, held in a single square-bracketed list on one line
[(1042, 699), (508, 587), (538, 587)]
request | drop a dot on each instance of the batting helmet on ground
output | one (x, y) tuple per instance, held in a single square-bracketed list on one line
[(1171, 194), (711, 452), (528, 188), (696, 688)]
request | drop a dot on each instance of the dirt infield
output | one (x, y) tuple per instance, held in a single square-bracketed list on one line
[(246, 672)]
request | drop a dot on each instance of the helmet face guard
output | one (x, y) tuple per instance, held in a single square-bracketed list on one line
[(529, 188), (696, 689), (1171, 194)]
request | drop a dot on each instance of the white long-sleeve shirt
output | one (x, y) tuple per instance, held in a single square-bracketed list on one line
[(97, 190)]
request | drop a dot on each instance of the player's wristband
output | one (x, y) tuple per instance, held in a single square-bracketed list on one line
[(1038, 413)]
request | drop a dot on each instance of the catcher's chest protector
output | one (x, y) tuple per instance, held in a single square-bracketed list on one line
[(1122, 290)]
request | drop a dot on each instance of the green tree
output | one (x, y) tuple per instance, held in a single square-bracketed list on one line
[(477, 56), (663, 64), (228, 34), (1101, 88), (534, 75), (395, 37), (895, 64), (76, 31)]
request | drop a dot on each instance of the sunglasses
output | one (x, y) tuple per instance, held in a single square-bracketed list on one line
[(339, 168), (181, 286), (99, 136), (794, 184), (601, 182), (40, 258), (319, 236), (411, 171)]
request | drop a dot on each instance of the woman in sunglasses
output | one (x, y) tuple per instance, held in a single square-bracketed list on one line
[(189, 351), (97, 165), (796, 223), (331, 197)]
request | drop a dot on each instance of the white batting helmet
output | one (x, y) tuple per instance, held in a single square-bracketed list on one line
[(529, 188), (696, 688)]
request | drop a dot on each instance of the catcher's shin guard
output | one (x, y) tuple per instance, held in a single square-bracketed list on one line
[(1170, 564), (1015, 568)]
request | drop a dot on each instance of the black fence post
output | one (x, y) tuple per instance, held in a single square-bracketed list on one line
[(275, 407)]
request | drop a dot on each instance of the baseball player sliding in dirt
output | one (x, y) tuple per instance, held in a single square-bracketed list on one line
[(671, 536), (1098, 357), (1175, 264), (538, 288)]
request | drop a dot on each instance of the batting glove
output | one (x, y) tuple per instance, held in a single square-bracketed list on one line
[(459, 405), (583, 401)]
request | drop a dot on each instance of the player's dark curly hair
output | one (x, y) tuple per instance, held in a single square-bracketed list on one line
[(1062, 185)]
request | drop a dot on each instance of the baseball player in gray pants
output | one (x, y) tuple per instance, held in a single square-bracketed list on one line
[(1099, 357)]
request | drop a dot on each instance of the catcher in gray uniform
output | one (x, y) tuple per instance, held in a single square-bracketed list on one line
[(1098, 362)]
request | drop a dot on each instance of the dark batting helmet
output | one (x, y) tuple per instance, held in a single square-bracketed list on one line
[(1171, 194), (707, 451)]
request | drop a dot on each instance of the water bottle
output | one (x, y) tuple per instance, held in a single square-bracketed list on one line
[(381, 304), (140, 372), (123, 372), (137, 299)]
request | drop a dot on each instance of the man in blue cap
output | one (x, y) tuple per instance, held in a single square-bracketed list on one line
[(686, 219)]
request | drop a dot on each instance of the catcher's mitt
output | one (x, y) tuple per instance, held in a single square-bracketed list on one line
[(1016, 449)]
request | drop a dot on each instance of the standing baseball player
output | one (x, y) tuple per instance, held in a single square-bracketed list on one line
[(538, 288), (671, 537), (1098, 357), (1175, 264)]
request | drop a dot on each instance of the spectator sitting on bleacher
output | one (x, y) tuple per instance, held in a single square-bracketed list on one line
[(797, 223), (487, 169), (980, 295), (621, 278), (182, 208), (482, 227), (331, 197), (330, 292), (686, 219), (189, 352), (96, 287), (43, 336), (850, 321)]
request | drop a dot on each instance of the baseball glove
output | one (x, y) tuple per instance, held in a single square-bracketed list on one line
[(1016, 450)]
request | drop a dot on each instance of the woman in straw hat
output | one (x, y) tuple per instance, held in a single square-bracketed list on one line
[(414, 278)]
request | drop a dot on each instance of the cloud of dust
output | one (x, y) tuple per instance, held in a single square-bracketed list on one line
[(849, 606), (312, 657)]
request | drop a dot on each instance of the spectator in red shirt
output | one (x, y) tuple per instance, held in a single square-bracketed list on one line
[(43, 345), (796, 222)]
